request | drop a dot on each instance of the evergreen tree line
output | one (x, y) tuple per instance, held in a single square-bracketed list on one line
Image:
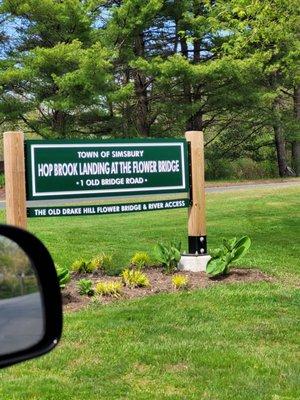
[(156, 68)]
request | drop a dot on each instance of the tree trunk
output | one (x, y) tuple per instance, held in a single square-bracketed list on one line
[(296, 143), (195, 122), (140, 87), (59, 122), (127, 120), (280, 149)]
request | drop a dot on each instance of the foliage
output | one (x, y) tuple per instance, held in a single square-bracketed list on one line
[(231, 250), (108, 288), (134, 278), (85, 287), (63, 275), (133, 68), (168, 255), (2, 180), (54, 76), (242, 168), (180, 281), (96, 263), (104, 262), (268, 31), (140, 260), (82, 266), (109, 264)]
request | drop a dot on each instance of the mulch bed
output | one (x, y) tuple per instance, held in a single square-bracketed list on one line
[(2, 194), (160, 283)]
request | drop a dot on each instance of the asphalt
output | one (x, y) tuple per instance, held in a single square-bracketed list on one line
[(249, 186), (21, 323)]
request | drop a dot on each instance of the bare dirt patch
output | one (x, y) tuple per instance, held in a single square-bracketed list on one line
[(160, 283), (2, 194)]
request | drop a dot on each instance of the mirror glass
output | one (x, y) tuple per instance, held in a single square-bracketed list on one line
[(21, 308)]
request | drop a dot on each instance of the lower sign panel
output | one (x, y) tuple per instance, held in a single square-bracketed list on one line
[(102, 209)]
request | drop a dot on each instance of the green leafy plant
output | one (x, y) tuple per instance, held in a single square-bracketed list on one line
[(109, 288), (140, 260), (85, 287), (96, 263), (168, 256), (82, 266), (230, 251), (63, 275), (134, 278), (109, 264), (2, 180), (180, 282)]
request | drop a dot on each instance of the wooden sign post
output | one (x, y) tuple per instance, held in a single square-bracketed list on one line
[(15, 191), (197, 258), (197, 222)]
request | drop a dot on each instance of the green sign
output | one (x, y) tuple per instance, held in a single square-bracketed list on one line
[(74, 169), (101, 209)]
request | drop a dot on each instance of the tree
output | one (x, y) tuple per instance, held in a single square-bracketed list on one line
[(55, 77), (156, 68), (268, 30), (172, 60)]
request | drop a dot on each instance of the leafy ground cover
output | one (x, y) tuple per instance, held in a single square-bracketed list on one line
[(235, 341)]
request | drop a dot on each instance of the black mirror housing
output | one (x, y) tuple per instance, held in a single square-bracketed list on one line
[(50, 295)]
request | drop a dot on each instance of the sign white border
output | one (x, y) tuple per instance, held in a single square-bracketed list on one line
[(88, 192)]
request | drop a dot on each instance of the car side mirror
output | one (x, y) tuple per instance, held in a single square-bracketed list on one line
[(30, 299)]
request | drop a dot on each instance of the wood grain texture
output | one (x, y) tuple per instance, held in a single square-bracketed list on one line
[(14, 164), (197, 219)]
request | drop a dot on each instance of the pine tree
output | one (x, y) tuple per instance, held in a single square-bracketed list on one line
[(54, 77), (269, 30)]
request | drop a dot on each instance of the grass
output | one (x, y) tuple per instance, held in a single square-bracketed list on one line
[(2, 181), (237, 341)]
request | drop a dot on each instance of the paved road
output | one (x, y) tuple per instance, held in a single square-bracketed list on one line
[(247, 186), (21, 323), (212, 189)]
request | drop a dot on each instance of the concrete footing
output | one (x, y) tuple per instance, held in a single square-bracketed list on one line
[(193, 263)]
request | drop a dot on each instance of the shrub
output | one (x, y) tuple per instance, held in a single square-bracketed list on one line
[(85, 287), (134, 278), (2, 180), (140, 260), (63, 275), (241, 168), (231, 250), (109, 288), (109, 265), (168, 256), (82, 266), (96, 263), (180, 282)]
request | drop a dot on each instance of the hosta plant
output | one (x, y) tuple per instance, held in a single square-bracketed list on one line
[(85, 287), (140, 260), (109, 288), (180, 282), (134, 278), (63, 275), (230, 251), (168, 256)]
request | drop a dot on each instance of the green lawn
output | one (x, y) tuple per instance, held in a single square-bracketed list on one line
[(237, 341)]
